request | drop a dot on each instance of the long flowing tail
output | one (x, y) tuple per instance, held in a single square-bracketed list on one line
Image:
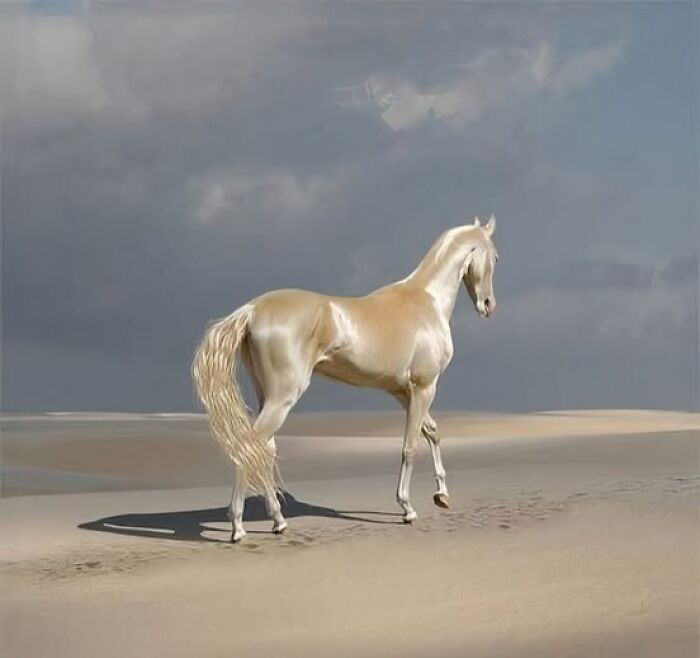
[(214, 375)]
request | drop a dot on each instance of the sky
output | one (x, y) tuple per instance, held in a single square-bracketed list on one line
[(162, 163)]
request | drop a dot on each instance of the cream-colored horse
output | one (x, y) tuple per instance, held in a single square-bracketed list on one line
[(397, 339)]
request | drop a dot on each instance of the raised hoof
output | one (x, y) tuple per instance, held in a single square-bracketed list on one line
[(442, 500), (279, 529)]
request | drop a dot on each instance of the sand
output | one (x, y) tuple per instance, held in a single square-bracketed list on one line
[(570, 534)]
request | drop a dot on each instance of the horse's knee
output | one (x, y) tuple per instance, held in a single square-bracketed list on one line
[(429, 430), (408, 453)]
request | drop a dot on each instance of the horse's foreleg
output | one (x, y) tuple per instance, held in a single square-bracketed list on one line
[(430, 432), (418, 403)]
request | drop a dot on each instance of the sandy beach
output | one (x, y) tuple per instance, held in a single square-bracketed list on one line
[(570, 534)]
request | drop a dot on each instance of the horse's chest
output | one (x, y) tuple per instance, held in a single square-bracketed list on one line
[(432, 355)]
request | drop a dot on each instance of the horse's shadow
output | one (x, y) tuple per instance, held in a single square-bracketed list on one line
[(191, 524)]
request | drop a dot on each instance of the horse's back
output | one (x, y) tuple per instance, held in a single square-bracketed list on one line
[(288, 301)]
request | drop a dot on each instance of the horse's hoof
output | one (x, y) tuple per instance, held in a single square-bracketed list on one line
[(279, 528), (442, 500), (237, 536), (410, 517)]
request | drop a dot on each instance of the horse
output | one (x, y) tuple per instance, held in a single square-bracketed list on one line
[(395, 339)]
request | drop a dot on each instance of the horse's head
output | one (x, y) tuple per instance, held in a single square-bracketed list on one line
[(478, 271)]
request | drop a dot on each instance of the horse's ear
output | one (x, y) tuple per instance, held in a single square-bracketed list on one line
[(477, 222), (490, 226)]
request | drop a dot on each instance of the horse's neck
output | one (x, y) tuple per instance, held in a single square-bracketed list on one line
[(440, 272)]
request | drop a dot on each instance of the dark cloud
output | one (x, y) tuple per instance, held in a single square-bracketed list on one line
[(681, 271), (163, 165), (602, 275)]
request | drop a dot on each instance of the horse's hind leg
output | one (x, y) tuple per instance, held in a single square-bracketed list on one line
[(235, 511), (271, 417), (272, 503), (237, 505), (268, 423), (278, 387)]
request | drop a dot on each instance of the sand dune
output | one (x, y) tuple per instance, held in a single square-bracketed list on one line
[(75, 452), (570, 534)]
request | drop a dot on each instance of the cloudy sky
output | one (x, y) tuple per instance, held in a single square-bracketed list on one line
[(164, 162)]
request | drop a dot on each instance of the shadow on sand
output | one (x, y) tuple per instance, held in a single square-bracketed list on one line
[(189, 525)]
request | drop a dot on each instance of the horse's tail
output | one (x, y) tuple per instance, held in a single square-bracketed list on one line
[(214, 375)]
